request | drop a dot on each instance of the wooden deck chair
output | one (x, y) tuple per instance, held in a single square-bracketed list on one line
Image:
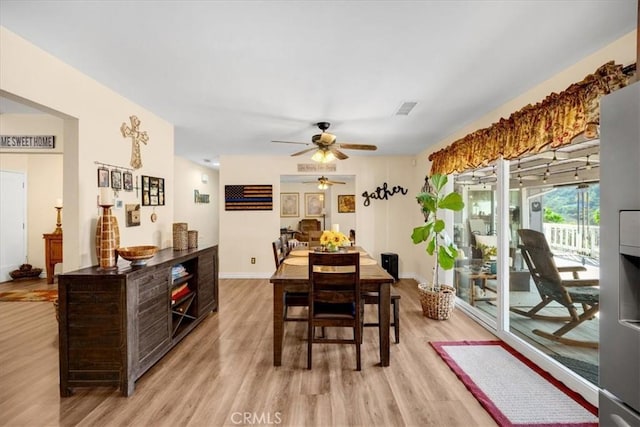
[(551, 287)]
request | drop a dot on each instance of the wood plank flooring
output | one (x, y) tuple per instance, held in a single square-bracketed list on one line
[(222, 373)]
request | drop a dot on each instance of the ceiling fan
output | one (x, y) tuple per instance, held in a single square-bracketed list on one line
[(326, 147), (323, 182)]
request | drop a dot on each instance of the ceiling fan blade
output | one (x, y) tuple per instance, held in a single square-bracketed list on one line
[(304, 151), (339, 154), (292, 142), (335, 182), (348, 146)]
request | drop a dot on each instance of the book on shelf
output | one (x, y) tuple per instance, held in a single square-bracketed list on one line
[(179, 292)]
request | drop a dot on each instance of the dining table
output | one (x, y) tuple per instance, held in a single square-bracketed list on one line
[(293, 276)]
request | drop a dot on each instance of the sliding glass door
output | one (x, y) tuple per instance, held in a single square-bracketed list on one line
[(555, 195)]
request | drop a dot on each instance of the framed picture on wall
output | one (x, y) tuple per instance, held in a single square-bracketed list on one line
[(152, 191), (116, 179), (346, 203), (313, 204), (289, 203), (127, 181), (103, 177)]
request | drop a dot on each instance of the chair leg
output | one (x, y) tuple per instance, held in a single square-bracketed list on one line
[(396, 321), (310, 334), (357, 338)]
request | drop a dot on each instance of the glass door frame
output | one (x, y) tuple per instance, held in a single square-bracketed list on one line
[(501, 325)]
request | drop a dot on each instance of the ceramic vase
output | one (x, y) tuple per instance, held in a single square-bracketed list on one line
[(107, 239)]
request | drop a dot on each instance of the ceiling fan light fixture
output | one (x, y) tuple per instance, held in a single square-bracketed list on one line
[(323, 156), (323, 186)]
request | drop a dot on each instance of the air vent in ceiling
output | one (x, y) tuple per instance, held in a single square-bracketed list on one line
[(406, 108)]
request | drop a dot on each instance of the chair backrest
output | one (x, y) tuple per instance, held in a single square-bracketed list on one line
[(539, 258), (285, 244), (278, 252), (334, 277), (306, 225), (314, 238)]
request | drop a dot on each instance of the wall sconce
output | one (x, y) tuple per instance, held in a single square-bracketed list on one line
[(204, 178)]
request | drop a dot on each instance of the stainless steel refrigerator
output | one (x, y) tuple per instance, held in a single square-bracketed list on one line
[(619, 400)]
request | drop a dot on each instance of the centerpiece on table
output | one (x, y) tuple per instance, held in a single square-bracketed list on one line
[(331, 241)]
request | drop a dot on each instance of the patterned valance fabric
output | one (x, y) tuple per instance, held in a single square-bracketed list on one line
[(552, 123)]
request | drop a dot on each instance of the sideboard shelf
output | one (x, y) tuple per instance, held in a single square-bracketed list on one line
[(115, 325)]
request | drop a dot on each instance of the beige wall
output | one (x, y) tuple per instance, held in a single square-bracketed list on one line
[(383, 226), (92, 116), (43, 174), (346, 221), (202, 217)]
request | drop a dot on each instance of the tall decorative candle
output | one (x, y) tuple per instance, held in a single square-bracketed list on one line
[(58, 203), (335, 228), (106, 196)]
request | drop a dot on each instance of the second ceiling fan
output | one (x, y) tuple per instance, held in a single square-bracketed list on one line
[(323, 182), (326, 146)]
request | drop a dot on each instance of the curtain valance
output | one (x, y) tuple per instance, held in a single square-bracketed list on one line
[(552, 123)]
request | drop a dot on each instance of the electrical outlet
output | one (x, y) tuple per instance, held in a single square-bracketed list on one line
[(253, 260)]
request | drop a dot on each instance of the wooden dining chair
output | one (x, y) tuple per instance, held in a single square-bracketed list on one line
[(373, 298), (285, 244), (334, 298), (279, 253), (291, 299)]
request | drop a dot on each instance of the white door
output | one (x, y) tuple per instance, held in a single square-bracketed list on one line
[(13, 251)]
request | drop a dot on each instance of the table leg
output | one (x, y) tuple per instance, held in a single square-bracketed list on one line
[(384, 309), (278, 323), (50, 271)]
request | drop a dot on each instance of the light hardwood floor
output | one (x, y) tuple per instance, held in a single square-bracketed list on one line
[(222, 373)]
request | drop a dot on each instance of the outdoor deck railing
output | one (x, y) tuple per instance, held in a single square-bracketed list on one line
[(571, 238)]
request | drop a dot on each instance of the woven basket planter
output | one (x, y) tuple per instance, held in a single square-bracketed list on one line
[(437, 305)]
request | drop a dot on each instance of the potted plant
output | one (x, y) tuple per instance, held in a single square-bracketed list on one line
[(437, 299)]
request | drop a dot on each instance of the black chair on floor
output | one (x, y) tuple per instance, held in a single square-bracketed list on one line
[(334, 298)]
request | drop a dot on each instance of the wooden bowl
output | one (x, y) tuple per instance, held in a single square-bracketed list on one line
[(138, 255)]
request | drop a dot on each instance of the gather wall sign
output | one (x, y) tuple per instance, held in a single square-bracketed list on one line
[(383, 193)]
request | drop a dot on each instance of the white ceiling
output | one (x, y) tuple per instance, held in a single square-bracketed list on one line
[(233, 75)]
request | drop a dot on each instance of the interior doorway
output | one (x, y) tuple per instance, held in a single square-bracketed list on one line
[(13, 248)]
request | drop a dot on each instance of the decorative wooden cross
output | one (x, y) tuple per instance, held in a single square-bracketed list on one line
[(136, 138)]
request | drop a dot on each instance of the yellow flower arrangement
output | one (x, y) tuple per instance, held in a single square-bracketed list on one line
[(488, 252), (333, 239)]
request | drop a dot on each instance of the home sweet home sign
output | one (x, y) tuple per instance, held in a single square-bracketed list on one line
[(28, 141)]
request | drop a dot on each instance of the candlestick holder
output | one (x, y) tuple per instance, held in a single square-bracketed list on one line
[(58, 229), (107, 239)]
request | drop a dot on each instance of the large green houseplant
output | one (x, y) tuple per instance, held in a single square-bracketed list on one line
[(437, 299)]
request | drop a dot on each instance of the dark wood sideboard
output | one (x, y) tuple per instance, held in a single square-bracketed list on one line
[(115, 325)]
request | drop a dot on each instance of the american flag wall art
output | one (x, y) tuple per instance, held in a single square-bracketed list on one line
[(248, 197)]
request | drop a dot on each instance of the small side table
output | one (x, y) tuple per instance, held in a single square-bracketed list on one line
[(483, 277), (53, 253)]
